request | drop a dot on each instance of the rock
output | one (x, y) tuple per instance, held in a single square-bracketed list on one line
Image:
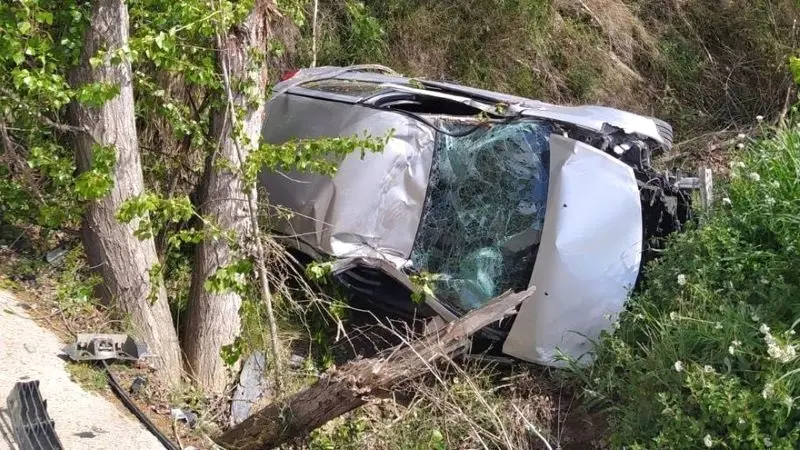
[(252, 386)]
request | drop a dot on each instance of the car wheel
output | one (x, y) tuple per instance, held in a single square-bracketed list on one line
[(665, 131)]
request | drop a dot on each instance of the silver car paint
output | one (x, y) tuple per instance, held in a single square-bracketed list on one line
[(590, 117), (371, 208), (588, 259)]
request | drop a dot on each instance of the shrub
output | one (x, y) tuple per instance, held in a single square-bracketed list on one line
[(706, 356)]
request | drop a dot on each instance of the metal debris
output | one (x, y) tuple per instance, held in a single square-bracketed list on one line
[(97, 347)]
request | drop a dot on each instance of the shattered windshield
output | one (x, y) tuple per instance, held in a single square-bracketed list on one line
[(484, 211)]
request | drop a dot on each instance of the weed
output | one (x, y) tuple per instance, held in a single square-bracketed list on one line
[(700, 65), (76, 284), (706, 354), (27, 268), (457, 405), (88, 375), (9, 284)]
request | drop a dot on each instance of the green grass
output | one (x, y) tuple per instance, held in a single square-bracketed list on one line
[(90, 376), (76, 284), (706, 353)]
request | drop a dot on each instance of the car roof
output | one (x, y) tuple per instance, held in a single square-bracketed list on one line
[(385, 80)]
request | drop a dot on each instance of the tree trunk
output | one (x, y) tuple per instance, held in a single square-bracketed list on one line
[(213, 319), (123, 260), (347, 388)]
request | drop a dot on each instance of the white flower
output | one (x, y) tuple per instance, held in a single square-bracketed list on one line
[(708, 369), (781, 353), (769, 201), (754, 317), (738, 165), (741, 421), (726, 201), (764, 329), (741, 136), (768, 391), (767, 442), (775, 183), (788, 401), (740, 145), (717, 326), (707, 441), (759, 118), (673, 315), (754, 176), (776, 351), (763, 280), (681, 280), (678, 366), (734, 345)]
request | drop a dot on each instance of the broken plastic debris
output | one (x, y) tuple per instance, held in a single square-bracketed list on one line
[(184, 415), (137, 385), (55, 257), (96, 347)]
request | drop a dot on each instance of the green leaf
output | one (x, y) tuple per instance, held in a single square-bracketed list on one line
[(794, 68), (24, 27), (437, 440), (231, 353), (45, 16), (159, 40)]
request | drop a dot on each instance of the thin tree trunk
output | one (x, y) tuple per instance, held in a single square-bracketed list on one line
[(122, 259), (347, 388), (213, 319)]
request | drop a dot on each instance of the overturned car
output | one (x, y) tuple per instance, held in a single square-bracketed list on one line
[(485, 192)]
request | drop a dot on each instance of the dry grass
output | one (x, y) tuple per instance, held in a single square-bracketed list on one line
[(702, 65), (466, 402)]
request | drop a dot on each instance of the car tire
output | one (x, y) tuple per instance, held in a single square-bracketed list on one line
[(665, 131)]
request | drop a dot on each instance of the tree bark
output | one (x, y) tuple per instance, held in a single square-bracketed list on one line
[(347, 388), (122, 259), (213, 318)]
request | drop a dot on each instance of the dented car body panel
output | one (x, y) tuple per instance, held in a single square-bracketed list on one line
[(589, 257), (484, 191)]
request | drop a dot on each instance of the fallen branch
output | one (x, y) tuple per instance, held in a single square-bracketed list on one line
[(350, 386), (725, 144)]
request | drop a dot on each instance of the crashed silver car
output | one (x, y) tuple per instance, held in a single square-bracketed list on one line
[(485, 191)]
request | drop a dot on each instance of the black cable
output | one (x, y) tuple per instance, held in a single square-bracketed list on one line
[(123, 397)]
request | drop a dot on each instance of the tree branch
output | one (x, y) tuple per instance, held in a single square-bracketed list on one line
[(345, 389)]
